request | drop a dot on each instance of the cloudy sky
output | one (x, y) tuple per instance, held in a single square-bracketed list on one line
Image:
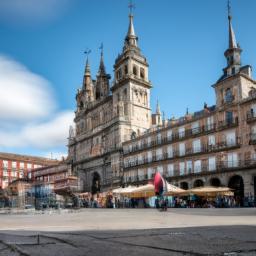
[(42, 61)]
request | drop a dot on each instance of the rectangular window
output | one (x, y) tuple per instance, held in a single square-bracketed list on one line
[(159, 154), (150, 156), (14, 165), (170, 170), (229, 117), (5, 163), (170, 151), (158, 138), (150, 172), (211, 140), (253, 110), (197, 166), (212, 163), (189, 166), (181, 132), (232, 160), (231, 138), (197, 146), (169, 135), (195, 127), (140, 158), (29, 166), (182, 149), (160, 169), (210, 123), (149, 141), (182, 168), (21, 165)]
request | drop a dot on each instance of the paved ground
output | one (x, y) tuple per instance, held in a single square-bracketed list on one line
[(131, 232)]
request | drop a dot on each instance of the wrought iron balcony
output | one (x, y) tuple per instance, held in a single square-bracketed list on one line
[(176, 154), (251, 116)]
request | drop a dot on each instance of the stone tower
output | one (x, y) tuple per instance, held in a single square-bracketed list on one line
[(236, 81), (131, 89)]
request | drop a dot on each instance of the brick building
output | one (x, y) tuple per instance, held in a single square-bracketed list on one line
[(14, 166)]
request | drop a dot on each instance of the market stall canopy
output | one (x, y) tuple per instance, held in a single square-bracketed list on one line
[(209, 191), (147, 191)]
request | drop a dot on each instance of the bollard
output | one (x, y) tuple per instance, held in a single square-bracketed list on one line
[(38, 239)]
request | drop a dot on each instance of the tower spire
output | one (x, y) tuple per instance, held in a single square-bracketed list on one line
[(102, 66), (232, 37), (233, 53), (131, 38)]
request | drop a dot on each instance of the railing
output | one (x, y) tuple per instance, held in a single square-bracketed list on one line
[(188, 152), (70, 183), (189, 133), (252, 139), (219, 166), (251, 116)]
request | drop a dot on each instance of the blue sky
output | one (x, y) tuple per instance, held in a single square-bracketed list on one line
[(42, 60)]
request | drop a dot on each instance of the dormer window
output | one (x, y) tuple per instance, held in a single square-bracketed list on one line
[(228, 96)]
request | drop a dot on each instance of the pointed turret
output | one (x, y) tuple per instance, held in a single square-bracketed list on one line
[(102, 70), (102, 82), (158, 111), (87, 82), (131, 40), (233, 53)]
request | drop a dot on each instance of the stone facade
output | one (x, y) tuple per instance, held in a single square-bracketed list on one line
[(106, 117)]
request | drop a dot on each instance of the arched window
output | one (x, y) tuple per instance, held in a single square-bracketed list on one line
[(142, 73), (134, 70), (126, 69), (228, 95)]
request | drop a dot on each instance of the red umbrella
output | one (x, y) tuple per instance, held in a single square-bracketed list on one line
[(159, 183)]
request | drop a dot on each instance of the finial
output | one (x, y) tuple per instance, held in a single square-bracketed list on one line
[(229, 10), (131, 6), (101, 48), (87, 52)]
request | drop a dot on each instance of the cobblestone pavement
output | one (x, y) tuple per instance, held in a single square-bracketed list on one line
[(226, 232)]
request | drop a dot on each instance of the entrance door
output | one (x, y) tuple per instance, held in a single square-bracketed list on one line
[(237, 183)]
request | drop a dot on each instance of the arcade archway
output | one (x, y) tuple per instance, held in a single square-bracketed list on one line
[(95, 183), (198, 183), (184, 185), (215, 182), (237, 184)]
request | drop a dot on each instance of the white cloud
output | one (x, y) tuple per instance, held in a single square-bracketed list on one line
[(27, 111), (44, 135), (24, 95), (32, 11)]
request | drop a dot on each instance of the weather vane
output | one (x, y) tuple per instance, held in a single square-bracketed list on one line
[(87, 52), (131, 6)]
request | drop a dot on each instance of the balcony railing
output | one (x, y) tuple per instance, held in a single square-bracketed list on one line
[(66, 184), (219, 166), (204, 149), (252, 139), (189, 133), (251, 116)]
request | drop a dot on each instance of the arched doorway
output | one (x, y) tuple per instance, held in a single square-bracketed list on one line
[(198, 183), (215, 182), (236, 182), (184, 185), (95, 183)]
